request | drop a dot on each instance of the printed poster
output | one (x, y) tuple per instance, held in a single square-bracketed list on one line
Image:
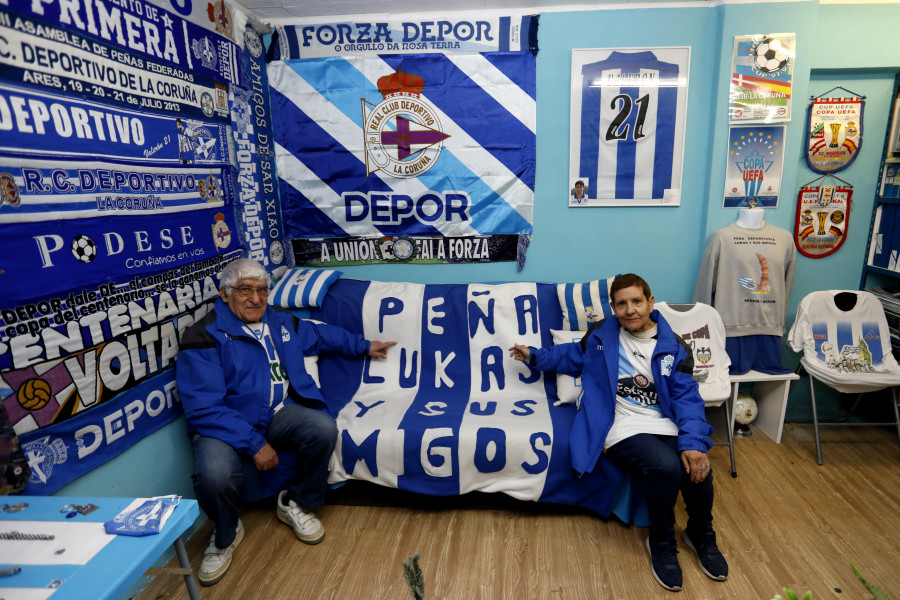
[(761, 75), (754, 166), (627, 128)]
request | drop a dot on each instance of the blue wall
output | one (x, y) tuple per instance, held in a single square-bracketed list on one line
[(662, 243)]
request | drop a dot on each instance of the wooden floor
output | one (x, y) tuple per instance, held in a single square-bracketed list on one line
[(783, 522)]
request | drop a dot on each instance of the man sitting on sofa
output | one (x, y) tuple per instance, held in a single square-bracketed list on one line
[(241, 379), (642, 410)]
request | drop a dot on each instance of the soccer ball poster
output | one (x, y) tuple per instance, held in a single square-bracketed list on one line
[(627, 127), (761, 73)]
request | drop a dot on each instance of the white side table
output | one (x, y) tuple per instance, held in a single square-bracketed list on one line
[(771, 395)]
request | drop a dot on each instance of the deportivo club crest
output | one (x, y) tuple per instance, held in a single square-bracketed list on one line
[(402, 135)]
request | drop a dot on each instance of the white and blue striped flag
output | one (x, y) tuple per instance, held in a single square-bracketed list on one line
[(428, 144)]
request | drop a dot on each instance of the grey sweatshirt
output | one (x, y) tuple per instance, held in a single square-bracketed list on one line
[(747, 274)]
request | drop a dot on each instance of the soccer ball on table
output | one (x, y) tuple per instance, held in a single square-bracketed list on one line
[(84, 249), (770, 56)]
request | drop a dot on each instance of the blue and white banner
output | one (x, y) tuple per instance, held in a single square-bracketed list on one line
[(63, 254), (257, 203), (138, 27), (420, 145), (448, 412), (47, 125), (225, 19), (395, 36), (52, 190), (46, 56), (87, 372)]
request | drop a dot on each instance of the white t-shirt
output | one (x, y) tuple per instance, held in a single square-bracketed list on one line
[(278, 390), (701, 328), (637, 403), (849, 350)]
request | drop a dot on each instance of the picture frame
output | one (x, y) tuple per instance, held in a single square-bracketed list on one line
[(627, 124)]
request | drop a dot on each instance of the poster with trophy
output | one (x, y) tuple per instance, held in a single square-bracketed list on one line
[(762, 68)]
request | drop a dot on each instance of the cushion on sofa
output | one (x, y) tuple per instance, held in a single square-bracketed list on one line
[(568, 388), (584, 303), (302, 288)]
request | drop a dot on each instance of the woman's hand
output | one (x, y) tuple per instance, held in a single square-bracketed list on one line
[(696, 464), (520, 352)]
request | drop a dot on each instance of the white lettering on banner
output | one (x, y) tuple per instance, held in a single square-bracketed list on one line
[(36, 116), (50, 330), (388, 208), (124, 29), (379, 36), (125, 420)]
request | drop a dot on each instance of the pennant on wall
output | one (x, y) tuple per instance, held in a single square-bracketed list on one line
[(835, 132), (420, 145), (822, 215)]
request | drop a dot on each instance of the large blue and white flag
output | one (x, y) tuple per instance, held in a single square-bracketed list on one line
[(449, 412), (427, 145)]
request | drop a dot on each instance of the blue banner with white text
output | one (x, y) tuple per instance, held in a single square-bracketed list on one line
[(141, 28), (449, 412)]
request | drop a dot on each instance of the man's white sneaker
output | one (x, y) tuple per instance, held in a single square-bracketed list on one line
[(217, 560), (305, 524)]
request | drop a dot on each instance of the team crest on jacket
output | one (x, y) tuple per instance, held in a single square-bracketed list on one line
[(285, 334), (402, 133), (668, 361)]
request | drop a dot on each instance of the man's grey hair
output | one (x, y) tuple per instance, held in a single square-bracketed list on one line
[(242, 268)]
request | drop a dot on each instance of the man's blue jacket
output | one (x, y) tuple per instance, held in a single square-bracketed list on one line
[(223, 373), (596, 360)]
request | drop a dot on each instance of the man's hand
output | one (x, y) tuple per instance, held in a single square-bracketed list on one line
[(520, 352), (696, 464), (379, 349), (266, 458)]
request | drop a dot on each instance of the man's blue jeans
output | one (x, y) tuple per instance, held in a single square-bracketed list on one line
[(310, 434), (655, 462)]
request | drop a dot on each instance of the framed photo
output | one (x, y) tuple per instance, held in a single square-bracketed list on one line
[(628, 111), (579, 191)]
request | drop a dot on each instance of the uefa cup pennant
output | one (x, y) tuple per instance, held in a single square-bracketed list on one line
[(822, 215), (835, 133)]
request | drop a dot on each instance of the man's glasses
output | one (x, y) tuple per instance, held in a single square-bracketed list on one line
[(244, 291)]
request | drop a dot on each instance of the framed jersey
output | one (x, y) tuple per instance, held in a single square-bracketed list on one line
[(628, 110)]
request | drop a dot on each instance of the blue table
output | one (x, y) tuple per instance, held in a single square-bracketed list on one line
[(115, 568)]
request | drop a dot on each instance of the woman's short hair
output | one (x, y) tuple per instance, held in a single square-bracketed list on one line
[(242, 268), (626, 281)]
